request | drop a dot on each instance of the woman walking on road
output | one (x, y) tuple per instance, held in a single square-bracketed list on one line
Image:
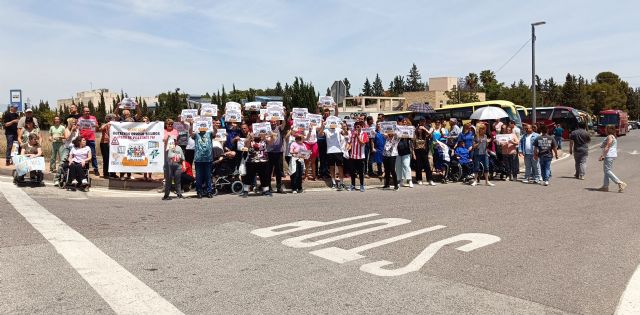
[(609, 154)]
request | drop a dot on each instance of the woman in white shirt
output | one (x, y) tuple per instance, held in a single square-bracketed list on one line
[(609, 154), (79, 156)]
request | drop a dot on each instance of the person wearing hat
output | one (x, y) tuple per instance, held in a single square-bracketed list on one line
[(10, 120), (28, 113)]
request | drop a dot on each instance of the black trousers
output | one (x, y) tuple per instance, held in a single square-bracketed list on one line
[(172, 172), (390, 170), (357, 168), (104, 148), (323, 170), (296, 178), (512, 164), (276, 166), (262, 170), (75, 172), (422, 164)]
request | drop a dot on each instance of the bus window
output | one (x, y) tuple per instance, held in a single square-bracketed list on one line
[(462, 113), (609, 119), (514, 116), (561, 114), (543, 114)]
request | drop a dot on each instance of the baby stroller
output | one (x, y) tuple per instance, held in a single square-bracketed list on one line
[(65, 178), (226, 176), (496, 167), (23, 168)]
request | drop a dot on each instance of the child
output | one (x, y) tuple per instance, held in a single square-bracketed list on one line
[(296, 167)]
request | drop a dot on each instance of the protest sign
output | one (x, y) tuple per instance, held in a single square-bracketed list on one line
[(188, 114), (232, 106), (202, 123), (350, 123), (208, 110), (183, 132), (241, 146), (275, 113), (301, 124), (260, 129), (327, 101), (333, 122), (503, 139), (221, 135), (304, 154), (279, 105), (136, 147), (252, 106), (388, 126), (314, 119), (371, 131), (405, 131), (300, 113), (233, 116), (128, 103), (25, 164)]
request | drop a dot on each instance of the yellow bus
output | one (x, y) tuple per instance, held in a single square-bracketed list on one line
[(463, 111)]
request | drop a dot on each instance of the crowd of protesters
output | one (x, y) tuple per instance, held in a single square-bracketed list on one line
[(321, 151)]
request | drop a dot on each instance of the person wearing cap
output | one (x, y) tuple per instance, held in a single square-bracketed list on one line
[(10, 120), (28, 113)]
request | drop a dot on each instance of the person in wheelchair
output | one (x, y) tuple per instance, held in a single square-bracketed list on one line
[(32, 149), (79, 157), (443, 158), (461, 155)]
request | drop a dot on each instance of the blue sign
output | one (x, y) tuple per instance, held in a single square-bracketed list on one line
[(16, 99)]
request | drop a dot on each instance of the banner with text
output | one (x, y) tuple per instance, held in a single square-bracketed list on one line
[(136, 147)]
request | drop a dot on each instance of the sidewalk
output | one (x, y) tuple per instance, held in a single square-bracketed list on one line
[(137, 182)]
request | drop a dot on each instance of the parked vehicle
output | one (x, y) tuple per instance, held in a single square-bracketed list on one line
[(615, 117)]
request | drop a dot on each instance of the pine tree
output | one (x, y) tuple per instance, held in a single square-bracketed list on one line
[(414, 83), (377, 89), (347, 85), (328, 92), (367, 89)]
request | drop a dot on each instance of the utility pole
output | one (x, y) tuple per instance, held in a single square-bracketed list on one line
[(533, 70)]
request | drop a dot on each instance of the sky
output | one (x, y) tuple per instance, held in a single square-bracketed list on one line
[(53, 49)]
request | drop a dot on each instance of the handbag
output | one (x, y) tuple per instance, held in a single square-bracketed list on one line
[(242, 169)]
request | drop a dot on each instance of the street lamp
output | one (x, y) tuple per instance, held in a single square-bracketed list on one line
[(533, 70)]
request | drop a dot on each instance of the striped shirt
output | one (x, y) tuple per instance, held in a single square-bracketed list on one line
[(357, 148)]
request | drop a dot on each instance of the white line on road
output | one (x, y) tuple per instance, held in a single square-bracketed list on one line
[(630, 300), (125, 293)]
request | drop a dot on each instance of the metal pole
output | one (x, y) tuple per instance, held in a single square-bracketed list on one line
[(533, 74)]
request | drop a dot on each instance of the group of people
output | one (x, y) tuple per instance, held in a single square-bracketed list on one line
[(326, 149)]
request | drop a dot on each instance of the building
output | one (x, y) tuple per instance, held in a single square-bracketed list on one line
[(436, 96), (94, 96)]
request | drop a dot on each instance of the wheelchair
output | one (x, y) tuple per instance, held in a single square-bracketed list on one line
[(461, 172), (226, 177), (63, 183), (36, 179)]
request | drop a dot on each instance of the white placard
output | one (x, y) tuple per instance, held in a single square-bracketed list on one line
[(208, 110), (371, 131), (300, 113), (128, 103), (388, 126), (259, 129), (327, 101), (232, 106), (136, 147), (315, 119), (405, 131), (279, 105), (275, 113), (304, 154), (333, 122), (301, 124), (233, 116), (503, 139), (350, 123), (188, 114), (241, 146), (202, 123), (221, 135), (25, 164), (252, 106)]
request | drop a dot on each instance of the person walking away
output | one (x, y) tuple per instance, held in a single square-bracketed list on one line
[(609, 153), (422, 139), (557, 134), (88, 126), (296, 164), (403, 161), (480, 157), (545, 148), (275, 153), (257, 164), (359, 140), (10, 120), (579, 140), (174, 159), (203, 160), (526, 149), (389, 160)]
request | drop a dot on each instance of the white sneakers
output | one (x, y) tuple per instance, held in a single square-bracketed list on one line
[(431, 183), (490, 184), (474, 183), (545, 183), (74, 182), (410, 184), (84, 182), (419, 182)]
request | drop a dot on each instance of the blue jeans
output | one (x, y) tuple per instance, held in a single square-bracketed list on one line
[(203, 177), (10, 140), (480, 159), (531, 168), (94, 161), (607, 167), (545, 167), (559, 142)]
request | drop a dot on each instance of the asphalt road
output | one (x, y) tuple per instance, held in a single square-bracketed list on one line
[(522, 249)]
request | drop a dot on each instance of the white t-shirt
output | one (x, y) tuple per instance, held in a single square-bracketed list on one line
[(80, 154), (313, 137), (334, 138)]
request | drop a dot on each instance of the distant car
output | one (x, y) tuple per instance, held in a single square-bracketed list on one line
[(634, 124)]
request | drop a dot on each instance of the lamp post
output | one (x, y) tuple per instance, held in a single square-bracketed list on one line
[(533, 70)]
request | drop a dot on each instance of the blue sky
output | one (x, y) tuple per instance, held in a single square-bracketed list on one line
[(51, 49)]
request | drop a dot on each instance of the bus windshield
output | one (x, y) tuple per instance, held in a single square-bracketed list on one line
[(513, 115), (610, 119)]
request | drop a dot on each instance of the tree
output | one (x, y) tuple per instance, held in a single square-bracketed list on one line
[(396, 87), (414, 82), (347, 85), (519, 93), (367, 89), (490, 85), (328, 92), (102, 108), (461, 94), (570, 92), (377, 89), (278, 90), (471, 81)]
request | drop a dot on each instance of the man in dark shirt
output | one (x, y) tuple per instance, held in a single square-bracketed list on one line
[(73, 114), (10, 120), (579, 147)]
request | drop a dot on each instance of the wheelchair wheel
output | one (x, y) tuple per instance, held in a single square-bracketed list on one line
[(215, 190), (455, 172), (236, 187)]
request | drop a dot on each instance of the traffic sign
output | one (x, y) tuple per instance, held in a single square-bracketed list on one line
[(16, 99), (338, 91)]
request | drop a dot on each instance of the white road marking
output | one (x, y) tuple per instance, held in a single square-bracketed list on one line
[(302, 225), (125, 293), (630, 300), (341, 255)]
